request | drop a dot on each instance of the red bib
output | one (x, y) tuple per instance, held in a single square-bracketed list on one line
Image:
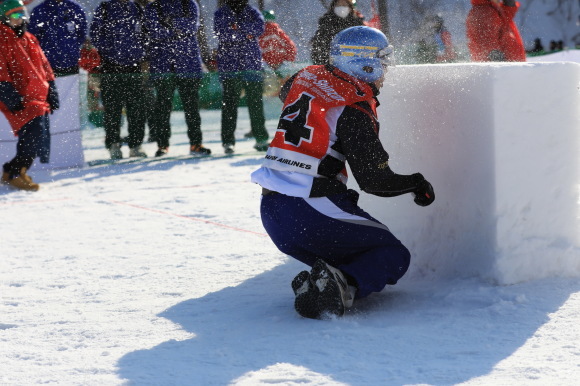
[(304, 125)]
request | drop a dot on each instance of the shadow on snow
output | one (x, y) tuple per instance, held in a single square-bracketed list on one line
[(442, 333)]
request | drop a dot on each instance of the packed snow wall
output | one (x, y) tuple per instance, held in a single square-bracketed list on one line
[(501, 145)]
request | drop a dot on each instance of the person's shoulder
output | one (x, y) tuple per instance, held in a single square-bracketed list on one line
[(76, 6), (328, 17), (221, 11), (32, 38), (253, 9)]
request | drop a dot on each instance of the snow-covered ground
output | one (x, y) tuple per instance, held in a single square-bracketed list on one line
[(161, 274)]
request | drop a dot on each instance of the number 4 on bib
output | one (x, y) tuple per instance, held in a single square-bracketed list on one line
[(293, 121)]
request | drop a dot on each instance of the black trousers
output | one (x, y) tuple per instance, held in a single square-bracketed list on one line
[(33, 141), (160, 122), (232, 90), (118, 91)]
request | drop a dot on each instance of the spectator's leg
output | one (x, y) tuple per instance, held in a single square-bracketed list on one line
[(254, 97), (189, 93), (112, 96), (165, 89), (232, 89), (136, 109)]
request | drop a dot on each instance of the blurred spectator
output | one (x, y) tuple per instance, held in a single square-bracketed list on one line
[(491, 32), (341, 14), (238, 26), (538, 48), (90, 62), (61, 28), (276, 45), (175, 63), (434, 42), (117, 34), (27, 94)]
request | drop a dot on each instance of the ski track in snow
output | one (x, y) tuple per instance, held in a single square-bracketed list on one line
[(162, 274)]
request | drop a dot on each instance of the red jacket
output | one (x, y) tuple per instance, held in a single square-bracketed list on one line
[(491, 27), (23, 64), (276, 46)]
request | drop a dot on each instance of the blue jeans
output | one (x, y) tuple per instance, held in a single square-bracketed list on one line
[(336, 230)]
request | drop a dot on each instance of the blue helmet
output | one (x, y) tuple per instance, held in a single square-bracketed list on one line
[(362, 52)]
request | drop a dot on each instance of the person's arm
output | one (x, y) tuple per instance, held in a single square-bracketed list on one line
[(35, 25), (189, 23), (220, 24), (157, 26), (320, 44), (369, 162), (52, 97), (95, 29), (290, 50), (254, 25), (10, 97), (81, 19)]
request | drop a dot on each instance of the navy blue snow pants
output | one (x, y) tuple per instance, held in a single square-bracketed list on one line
[(336, 230)]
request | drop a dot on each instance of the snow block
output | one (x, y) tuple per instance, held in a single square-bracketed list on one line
[(66, 148), (501, 145)]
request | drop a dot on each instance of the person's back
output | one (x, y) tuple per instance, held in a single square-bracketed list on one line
[(116, 33), (61, 27), (340, 15), (238, 32), (171, 27)]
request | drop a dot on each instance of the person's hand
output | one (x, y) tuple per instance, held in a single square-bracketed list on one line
[(424, 193), (17, 107)]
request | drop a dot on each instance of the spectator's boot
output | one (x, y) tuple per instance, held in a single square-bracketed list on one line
[(21, 181), (199, 151), (229, 149), (262, 145), (161, 151), (115, 151), (137, 152)]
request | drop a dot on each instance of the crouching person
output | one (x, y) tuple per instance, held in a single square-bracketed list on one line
[(27, 94), (329, 118)]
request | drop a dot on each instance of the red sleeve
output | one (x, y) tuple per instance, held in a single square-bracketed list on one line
[(4, 75)]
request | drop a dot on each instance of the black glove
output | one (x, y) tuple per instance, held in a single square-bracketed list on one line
[(17, 107), (52, 97), (10, 97), (424, 194)]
